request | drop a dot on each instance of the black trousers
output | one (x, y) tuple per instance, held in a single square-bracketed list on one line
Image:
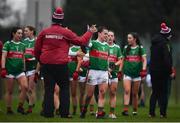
[(56, 74), (159, 92)]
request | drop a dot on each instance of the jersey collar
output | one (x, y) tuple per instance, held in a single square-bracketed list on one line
[(15, 42), (134, 47), (112, 45)]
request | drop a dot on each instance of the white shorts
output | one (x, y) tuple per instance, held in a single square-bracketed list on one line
[(131, 79), (97, 77), (114, 80), (10, 76), (80, 79), (29, 73)]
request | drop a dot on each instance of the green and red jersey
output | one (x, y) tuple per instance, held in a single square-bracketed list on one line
[(72, 58), (114, 55), (15, 57), (31, 62), (98, 53), (133, 60)]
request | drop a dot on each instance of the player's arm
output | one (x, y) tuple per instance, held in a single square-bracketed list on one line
[(82, 40), (144, 61), (3, 59)]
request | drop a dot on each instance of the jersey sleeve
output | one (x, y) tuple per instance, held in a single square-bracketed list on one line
[(71, 53), (5, 47), (143, 51)]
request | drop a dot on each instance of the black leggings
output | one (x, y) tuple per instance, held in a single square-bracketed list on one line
[(56, 74), (159, 92)]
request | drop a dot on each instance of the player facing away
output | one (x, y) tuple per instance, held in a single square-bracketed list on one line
[(31, 63), (75, 58), (115, 66), (134, 68), (98, 71), (13, 68)]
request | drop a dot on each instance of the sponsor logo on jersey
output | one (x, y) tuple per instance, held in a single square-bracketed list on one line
[(14, 54), (99, 54), (53, 36)]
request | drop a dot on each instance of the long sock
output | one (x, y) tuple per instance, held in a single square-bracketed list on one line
[(135, 109), (87, 101), (74, 108), (112, 110), (30, 106), (81, 107), (91, 108), (125, 107), (20, 105), (100, 109)]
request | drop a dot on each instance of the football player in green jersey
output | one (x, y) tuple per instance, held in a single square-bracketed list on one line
[(75, 59), (115, 58), (98, 71), (31, 63), (134, 69), (13, 68)]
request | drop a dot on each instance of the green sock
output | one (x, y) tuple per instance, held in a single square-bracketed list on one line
[(111, 109), (100, 109)]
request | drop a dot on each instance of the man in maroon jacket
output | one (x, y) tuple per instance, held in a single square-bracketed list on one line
[(51, 50)]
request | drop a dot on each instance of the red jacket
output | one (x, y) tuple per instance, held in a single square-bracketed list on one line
[(52, 44)]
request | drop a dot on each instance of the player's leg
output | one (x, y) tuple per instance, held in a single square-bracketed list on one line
[(142, 94), (102, 85), (91, 107), (22, 81), (101, 100), (135, 89), (127, 92), (89, 95), (56, 99), (82, 88), (9, 91), (112, 93), (31, 92), (74, 95), (91, 83)]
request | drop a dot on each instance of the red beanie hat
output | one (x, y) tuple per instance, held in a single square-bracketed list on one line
[(165, 29), (58, 14)]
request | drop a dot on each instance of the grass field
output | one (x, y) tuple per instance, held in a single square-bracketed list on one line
[(173, 115), (173, 111)]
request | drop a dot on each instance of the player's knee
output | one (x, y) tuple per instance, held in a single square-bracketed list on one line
[(102, 92), (24, 88), (134, 95), (113, 93), (127, 92)]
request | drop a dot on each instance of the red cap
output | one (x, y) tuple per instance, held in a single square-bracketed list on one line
[(58, 13), (165, 29)]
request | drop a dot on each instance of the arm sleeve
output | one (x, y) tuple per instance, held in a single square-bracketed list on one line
[(5, 47), (78, 40), (38, 46), (143, 51)]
